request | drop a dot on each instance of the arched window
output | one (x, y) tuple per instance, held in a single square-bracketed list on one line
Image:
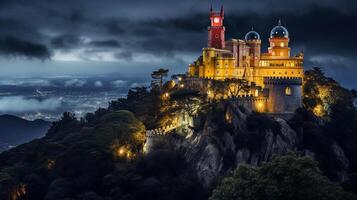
[(256, 92), (288, 91)]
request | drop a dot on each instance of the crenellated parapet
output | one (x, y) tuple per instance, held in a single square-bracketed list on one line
[(282, 80)]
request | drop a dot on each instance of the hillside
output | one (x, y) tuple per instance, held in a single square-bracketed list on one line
[(15, 130), (101, 155)]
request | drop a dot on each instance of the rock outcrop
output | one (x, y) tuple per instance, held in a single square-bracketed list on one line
[(220, 145)]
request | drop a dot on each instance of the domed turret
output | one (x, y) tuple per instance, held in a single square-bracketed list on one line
[(279, 42), (252, 39), (279, 31), (252, 35)]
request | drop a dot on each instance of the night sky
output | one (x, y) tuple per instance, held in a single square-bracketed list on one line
[(41, 38)]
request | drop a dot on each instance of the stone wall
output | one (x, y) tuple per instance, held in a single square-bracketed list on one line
[(280, 99)]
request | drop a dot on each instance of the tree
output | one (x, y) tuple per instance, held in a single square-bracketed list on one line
[(218, 88), (236, 86), (158, 77), (320, 92), (188, 100), (288, 177), (143, 103)]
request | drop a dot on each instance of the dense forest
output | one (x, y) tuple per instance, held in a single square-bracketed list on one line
[(100, 157)]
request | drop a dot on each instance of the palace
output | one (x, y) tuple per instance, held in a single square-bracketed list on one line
[(275, 74)]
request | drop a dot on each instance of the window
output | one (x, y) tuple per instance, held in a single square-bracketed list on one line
[(288, 91), (216, 36), (281, 53), (256, 93), (282, 44)]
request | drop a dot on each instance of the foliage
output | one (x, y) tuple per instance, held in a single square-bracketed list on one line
[(320, 92), (72, 160), (143, 103), (232, 87), (159, 175), (327, 119), (188, 100), (158, 77), (287, 177), (218, 88), (67, 120), (236, 87)]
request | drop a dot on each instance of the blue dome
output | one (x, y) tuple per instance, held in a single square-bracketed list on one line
[(279, 31), (252, 35)]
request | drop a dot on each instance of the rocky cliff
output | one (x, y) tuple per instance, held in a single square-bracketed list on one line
[(231, 135)]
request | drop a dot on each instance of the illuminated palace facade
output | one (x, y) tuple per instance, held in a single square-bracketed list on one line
[(276, 73)]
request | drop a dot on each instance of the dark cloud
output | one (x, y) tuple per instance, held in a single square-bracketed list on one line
[(11, 46), (66, 41), (105, 43), (166, 29), (115, 26)]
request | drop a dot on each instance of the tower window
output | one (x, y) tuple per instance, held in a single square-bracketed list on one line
[(282, 44), (288, 91), (281, 53), (216, 36)]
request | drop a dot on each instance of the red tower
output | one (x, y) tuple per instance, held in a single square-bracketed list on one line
[(216, 30)]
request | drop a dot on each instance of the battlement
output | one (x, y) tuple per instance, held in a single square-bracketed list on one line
[(282, 80)]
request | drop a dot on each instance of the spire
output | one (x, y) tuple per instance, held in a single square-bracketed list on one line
[(211, 9), (222, 11), (279, 22), (252, 28)]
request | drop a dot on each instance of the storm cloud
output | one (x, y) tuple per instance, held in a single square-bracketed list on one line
[(14, 47), (136, 34)]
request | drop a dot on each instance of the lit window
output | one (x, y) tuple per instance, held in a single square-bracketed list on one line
[(282, 44), (281, 53), (256, 92), (216, 20), (288, 91)]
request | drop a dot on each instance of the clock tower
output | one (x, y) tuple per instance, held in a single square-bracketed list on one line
[(216, 30)]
